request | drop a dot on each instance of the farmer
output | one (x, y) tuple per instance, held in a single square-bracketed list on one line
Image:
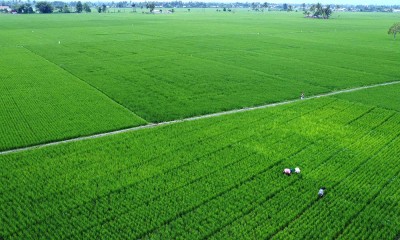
[(321, 192), (287, 171)]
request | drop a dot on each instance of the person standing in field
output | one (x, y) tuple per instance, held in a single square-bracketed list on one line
[(321, 192), (302, 95)]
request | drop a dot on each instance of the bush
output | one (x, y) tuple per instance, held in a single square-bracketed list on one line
[(44, 7)]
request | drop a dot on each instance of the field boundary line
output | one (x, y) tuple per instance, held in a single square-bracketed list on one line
[(86, 83), (211, 115)]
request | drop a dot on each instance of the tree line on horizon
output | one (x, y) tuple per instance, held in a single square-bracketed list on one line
[(318, 11), (25, 6), (48, 7)]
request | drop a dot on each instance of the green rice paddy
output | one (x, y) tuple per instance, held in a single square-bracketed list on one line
[(69, 75)]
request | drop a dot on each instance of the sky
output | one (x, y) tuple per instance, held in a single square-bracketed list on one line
[(352, 2)]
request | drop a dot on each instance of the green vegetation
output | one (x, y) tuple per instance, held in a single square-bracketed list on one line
[(164, 67), (79, 7), (394, 29), (86, 8), (150, 6), (69, 75), (25, 8), (44, 7), (40, 103), (216, 178), (384, 97), (318, 11)]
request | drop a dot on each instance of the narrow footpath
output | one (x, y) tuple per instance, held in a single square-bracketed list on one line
[(153, 125)]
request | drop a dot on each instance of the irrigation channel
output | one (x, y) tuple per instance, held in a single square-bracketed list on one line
[(153, 125)]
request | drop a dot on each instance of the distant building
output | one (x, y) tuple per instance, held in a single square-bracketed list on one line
[(5, 9), (340, 9)]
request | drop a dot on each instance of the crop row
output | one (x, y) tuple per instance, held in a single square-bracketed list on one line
[(203, 221), (380, 218), (384, 96), (345, 202), (94, 180), (87, 186), (64, 198), (38, 107), (228, 209), (151, 154), (209, 77), (134, 196), (347, 197), (173, 183), (275, 213)]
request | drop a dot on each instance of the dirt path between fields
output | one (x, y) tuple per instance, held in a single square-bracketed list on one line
[(153, 125)]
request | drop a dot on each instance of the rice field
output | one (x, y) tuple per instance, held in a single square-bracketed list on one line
[(65, 76), (41, 103), (215, 178)]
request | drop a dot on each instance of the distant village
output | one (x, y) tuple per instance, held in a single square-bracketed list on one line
[(20, 7)]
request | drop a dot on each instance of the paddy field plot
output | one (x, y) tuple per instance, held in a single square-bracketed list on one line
[(176, 66), (40, 103), (164, 67), (216, 178)]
